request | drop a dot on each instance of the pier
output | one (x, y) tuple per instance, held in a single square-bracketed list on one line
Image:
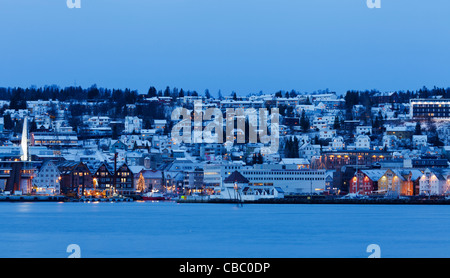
[(110, 199), (331, 200), (31, 198)]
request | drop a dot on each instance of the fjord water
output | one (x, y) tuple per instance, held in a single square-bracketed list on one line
[(169, 229)]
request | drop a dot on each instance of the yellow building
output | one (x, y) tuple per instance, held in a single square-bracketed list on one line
[(402, 182), (390, 181)]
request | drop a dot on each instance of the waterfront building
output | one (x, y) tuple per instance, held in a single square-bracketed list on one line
[(124, 180), (76, 178), (365, 182), (103, 176), (153, 180), (237, 187), (16, 168), (212, 178), (47, 179), (232, 186), (435, 182), (16, 176), (394, 181), (329, 184), (193, 180), (288, 177)]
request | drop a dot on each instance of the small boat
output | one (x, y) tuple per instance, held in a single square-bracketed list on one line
[(153, 196)]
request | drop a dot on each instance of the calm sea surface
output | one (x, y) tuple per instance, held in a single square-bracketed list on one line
[(167, 229)]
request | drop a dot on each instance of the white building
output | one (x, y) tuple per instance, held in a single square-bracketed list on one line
[(420, 140), (287, 177), (98, 121), (327, 133), (323, 122), (159, 124), (53, 139), (17, 114), (338, 143), (47, 180), (434, 182), (41, 107), (362, 142), (306, 107), (308, 150), (364, 130), (212, 177), (133, 125)]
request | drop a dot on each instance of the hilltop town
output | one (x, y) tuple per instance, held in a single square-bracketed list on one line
[(98, 142)]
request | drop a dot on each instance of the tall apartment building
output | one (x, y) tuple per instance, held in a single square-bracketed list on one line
[(429, 108)]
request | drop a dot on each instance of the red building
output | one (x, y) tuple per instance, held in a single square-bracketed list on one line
[(76, 178), (365, 182)]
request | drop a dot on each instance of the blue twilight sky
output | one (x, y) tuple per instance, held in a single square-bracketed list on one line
[(245, 46)]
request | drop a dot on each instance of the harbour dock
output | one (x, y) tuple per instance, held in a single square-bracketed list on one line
[(324, 200), (32, 198)]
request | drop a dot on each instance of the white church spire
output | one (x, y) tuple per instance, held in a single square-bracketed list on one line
[(24, 143)]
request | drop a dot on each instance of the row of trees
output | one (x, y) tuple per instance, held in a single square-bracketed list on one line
[(291, 148), (19, 96)]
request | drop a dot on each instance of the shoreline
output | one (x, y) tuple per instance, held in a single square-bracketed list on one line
[(329, 201), (64, 199), (287, 200)]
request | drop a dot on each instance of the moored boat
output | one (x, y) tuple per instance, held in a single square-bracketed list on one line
[(153, 196)]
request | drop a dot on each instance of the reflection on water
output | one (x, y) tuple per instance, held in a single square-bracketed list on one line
[(24, 207)]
